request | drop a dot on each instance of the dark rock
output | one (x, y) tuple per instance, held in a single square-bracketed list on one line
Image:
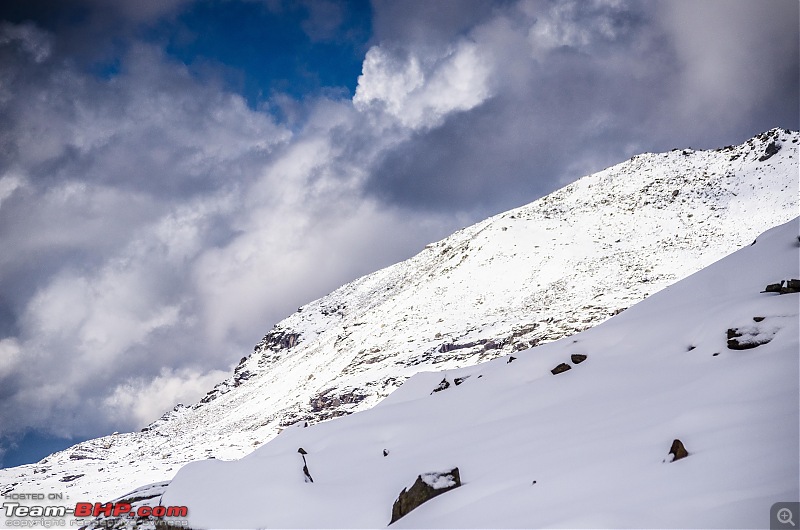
[(458, 380), (444, 348), (690, 348), (238, 377), (758, 319), (773, 288), (675, 193), (512, 358), (737, 342), (69, 478), (385, 452), (784, 287), (490, 345), (329, 399), (771, 149), (577, 358), (80, 456), (733, 332), (444, 385), (273, 342), (715, 354), (302, 451), (426, 487), (677, 450), (4, 492), (563, 367)]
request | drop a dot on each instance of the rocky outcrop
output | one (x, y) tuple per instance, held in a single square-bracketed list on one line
[(772, 149), (333, 398), (486, 343), (443, 385), (426, 487)]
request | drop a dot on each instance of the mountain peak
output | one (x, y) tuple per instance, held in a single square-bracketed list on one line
[(546, 270)]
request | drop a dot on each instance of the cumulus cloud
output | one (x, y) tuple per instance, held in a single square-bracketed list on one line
[(143, 399), (156, 227), (419, 92)]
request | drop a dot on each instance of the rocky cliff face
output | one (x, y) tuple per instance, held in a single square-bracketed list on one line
[(528, 276)]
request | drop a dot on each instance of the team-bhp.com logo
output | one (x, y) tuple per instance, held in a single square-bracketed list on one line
[(88, 509), (122, 509)]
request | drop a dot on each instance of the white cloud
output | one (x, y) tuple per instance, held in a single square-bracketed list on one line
[(144, 400), (8, 185), (10, 356), (418, 92)]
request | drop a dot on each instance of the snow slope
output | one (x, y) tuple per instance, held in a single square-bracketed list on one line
[(594, 439), (529, 276)]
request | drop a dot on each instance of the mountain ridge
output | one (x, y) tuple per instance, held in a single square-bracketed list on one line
[(526, 446), (525, 277)]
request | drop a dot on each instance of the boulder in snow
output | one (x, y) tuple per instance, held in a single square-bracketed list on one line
[(678, 450), (747, 337), (784, 287), (563, 367), (577, 358), (426, 487)]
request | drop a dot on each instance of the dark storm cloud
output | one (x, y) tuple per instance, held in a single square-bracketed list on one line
[(429, 23), (577, 86)]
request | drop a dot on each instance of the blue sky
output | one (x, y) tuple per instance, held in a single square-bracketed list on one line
[(261, 51), (176, 176)]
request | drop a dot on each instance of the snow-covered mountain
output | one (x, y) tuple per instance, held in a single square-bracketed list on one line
[(711, 361), (559, 265)]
